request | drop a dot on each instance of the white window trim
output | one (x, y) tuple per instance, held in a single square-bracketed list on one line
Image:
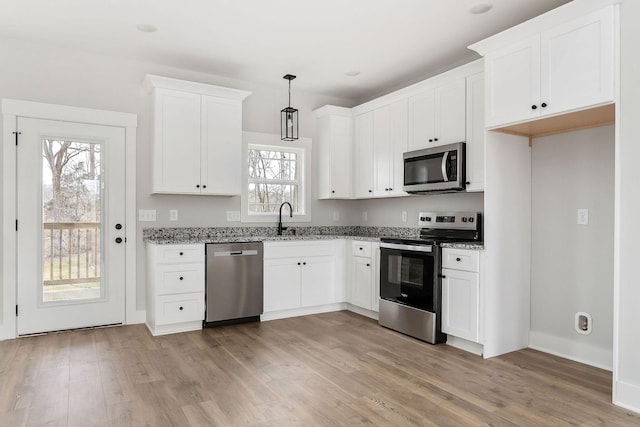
[(303, 147)]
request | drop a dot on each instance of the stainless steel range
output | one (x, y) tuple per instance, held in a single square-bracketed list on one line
[(411, 276)]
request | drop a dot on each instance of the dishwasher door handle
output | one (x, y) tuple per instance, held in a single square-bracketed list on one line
[(236, 253)]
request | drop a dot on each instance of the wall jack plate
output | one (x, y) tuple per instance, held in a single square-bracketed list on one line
[(233, 216)]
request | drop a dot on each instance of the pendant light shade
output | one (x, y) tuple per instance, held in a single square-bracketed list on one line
[(289, 117)]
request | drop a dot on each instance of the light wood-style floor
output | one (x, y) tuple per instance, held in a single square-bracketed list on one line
[(334, 369)]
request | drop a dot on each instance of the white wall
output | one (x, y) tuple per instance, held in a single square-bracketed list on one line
[(572, 265), (388, 212), (626, 388)]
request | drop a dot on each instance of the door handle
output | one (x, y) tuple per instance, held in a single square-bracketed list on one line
[(445, 177), (118, 226), (118, 239)]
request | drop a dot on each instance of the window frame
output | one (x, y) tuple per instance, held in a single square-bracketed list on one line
[(302, 148)]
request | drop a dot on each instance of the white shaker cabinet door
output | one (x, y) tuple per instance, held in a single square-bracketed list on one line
[(460, 304), (422, 125), (221, 164), (450, 112), (281, 284), (363, 155), (176, 156), (362, 282), (513, 83), (318, 281), (578, 63), (475, 147)]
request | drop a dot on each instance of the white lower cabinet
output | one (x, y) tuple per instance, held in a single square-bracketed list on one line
[(364, 279), (303, 274), (461, 294), (175, 288)]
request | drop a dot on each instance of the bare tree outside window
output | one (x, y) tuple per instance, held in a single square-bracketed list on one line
[(71, 205), (273, 179)]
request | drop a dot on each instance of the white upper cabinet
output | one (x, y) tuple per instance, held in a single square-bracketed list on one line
[(563, 68), (221, 146), (513, 83), (577, 62), (438, 116), (389, 142), (197, 137), (363, 155), (475, 133), (372, 137), (335, 137)]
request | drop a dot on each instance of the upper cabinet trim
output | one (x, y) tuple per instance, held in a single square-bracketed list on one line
[(151, 82), (541, 23)]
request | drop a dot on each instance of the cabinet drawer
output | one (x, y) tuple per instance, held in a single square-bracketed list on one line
[(461, 259), (179, 308), (362, 249), (179, 279), (181, 253)]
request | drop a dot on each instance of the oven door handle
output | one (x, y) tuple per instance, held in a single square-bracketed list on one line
[(445, 157), (411, 248)]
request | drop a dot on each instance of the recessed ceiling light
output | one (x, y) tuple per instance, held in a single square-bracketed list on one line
[(147, 28), (352, 73), (479, 8)]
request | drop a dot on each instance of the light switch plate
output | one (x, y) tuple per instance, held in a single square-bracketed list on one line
[(173, 215), (146, 215), (583, 217), (336, 215), (404, 216)]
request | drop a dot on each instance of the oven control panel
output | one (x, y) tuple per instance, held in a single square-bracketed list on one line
[(455, 220)]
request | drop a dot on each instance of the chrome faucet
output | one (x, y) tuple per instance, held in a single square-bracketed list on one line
[(280, 227)]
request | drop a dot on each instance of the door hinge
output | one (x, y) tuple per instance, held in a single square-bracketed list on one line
[(16, 134), (16, 310)]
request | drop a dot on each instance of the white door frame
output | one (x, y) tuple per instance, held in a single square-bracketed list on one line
[(11, 109)]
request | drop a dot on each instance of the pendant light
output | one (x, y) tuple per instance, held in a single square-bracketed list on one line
[(289, 117)]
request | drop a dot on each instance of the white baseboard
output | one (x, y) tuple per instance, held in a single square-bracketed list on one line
[(283, 314), (572, 349), (362, 311), (465, 345), (626, 395), (139, 316), (7, 333)]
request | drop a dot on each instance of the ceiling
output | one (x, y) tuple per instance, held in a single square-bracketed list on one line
[(391, 43)]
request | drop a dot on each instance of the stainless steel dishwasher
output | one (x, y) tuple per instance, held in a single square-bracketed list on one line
[(234, 282)]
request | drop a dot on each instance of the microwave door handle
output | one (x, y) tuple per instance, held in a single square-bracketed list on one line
[(445, 157)]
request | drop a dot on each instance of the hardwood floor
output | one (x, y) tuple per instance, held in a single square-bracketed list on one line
[(332, 369)]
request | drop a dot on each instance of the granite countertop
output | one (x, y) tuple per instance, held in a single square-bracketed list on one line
[(166, 236), (464, 245), (189, 235)]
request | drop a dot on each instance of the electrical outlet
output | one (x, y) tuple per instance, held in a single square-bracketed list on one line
[(364, 216), (336, 215), (404, 216), (583, 216), (173, 215), (233, 216), (146, 215)]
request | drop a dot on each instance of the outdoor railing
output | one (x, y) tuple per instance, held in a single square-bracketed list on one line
[(70, 252)]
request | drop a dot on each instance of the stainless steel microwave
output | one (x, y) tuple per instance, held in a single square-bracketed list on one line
[(438, 169)]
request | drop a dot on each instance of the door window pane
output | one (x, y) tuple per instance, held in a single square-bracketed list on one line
[(71, 214)]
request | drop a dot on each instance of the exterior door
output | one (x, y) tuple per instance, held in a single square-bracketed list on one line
[(70, 238)]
